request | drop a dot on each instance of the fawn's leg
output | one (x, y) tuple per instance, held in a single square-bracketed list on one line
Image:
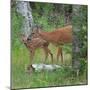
[(30, 68), (32, 53), (59, 53)]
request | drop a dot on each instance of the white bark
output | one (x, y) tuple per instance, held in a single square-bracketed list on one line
[(24, 9)]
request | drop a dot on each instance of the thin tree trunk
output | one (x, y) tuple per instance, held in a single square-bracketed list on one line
[(24, 9), (76, 42)]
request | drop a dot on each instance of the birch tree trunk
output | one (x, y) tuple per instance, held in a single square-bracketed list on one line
[(76, 43), (24, 9)]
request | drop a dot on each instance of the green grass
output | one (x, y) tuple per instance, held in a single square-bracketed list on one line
[(21, 79)]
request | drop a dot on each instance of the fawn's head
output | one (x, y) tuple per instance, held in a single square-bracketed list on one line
[(24, 38)]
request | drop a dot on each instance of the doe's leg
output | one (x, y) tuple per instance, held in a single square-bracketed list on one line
[(59, 53), (46, 54), (47, 51)]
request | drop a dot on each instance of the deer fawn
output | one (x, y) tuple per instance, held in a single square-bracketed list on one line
[(57, 37), (35, 43)]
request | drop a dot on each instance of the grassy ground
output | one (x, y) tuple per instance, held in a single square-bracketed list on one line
[(21, 79)]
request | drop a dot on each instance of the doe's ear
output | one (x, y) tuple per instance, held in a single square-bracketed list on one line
[(40, 28), (37, 29)]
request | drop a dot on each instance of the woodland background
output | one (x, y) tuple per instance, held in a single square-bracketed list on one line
[(50, 16)]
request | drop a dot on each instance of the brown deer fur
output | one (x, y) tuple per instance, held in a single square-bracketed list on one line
[(57, 37), (37, 43)]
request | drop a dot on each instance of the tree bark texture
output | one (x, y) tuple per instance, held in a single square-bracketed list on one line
[(24, 9), (76, 42)]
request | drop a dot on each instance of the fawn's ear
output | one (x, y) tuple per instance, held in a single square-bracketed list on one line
[(22, 35)]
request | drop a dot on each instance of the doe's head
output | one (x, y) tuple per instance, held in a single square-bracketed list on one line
[(35, 30)]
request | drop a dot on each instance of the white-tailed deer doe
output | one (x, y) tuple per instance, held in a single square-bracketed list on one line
[(35, 43), (57, 37)]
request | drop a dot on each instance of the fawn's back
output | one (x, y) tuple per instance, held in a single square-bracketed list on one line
[(34, 43)]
